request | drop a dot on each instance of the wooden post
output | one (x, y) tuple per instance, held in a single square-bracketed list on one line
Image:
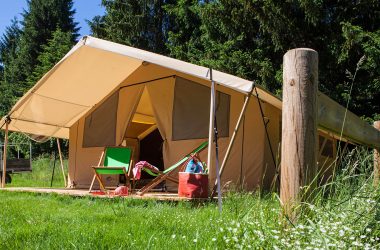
[(376, 159), (226, 156), (5, 155), (61, 160), (299, 125)]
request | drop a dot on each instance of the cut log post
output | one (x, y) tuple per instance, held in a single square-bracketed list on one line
[(299, 126), (376, 160), (5, 156)]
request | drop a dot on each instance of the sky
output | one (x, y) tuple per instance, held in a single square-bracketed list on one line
[(85, 9)]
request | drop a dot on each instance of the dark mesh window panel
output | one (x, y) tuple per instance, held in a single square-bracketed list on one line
[(191, 111), (100, 125)]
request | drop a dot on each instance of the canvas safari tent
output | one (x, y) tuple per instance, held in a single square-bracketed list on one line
[(106, 94)]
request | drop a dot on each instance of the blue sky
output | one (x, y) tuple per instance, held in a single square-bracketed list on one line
[(85, 9)]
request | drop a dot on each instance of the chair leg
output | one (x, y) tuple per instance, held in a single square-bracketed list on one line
[(92, 183), (152, 184), (100, 181)]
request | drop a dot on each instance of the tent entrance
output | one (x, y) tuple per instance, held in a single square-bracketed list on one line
[(143, 130)]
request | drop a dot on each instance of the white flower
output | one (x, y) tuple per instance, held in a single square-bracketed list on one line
[(173, 236), (213, 239), (195, 240), (341, 233)]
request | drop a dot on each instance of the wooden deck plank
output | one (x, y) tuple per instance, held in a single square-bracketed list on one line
[(84, 192)]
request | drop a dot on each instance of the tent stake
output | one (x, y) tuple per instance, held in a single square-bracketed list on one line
[(5, 154), (226, 156), (61, 160)]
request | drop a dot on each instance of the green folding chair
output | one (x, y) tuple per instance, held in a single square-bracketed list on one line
[(117, 160), (161, 176)]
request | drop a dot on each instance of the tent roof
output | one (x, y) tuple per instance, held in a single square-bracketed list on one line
[(87, 74)]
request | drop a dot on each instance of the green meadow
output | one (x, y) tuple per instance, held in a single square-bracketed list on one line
[(342, 214)]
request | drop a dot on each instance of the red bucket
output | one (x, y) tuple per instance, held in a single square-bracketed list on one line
[(193, 185)]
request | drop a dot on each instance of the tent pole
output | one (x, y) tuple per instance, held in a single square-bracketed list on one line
[(5, 154), (52, 174), (61, 161), (214, 129), (211, 129), (226, 156)]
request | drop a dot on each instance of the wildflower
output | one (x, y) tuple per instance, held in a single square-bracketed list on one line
[(173, 236), (195, 240), (213, 239)]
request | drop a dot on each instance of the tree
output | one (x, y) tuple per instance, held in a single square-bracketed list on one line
[(249, 38), (8, 51), (139, 23)]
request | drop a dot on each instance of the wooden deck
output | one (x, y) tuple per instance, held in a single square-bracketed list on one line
[(162, 196)]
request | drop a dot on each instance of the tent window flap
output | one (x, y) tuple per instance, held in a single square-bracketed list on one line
[(100, 125), (191, 109)]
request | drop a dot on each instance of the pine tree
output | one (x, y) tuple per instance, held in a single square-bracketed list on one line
[(21, 47), (139, 23)]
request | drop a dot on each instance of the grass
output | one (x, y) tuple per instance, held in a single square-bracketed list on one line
[(344, 214), (42, 169)]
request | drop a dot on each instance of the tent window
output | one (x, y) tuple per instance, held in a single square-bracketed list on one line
[(100, 125), (191, 111), (328, 150)]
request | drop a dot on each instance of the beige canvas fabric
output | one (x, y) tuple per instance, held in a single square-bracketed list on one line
[(128, 101), (95, 69), (191, 109), (69, 90), (88, 74)]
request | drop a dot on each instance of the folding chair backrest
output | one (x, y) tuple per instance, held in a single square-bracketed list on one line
[(118, 157)]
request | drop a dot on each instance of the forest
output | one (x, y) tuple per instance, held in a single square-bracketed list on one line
[(246, 38)]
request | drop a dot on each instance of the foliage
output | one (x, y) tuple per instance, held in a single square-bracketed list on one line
[(139, 23), (249, 38)]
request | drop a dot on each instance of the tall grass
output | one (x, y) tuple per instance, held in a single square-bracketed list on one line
[(343, 214), (41, 175)]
